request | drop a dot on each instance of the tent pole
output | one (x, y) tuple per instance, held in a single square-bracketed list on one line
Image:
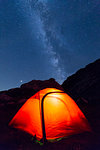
[(42, 113), (43, 123)]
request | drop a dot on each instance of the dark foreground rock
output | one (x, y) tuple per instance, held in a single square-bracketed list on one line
[(85, 84)]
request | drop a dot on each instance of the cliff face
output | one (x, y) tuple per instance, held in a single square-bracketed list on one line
[(85, 84), (84, 88)]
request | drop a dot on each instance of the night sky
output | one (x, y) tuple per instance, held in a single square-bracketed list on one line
[(40, 39)]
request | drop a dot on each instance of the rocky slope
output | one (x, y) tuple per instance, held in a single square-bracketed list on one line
[(85, 84), (84, 88), (20, 95)]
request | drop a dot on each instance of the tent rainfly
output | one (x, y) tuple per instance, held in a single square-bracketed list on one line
[(50, 114)]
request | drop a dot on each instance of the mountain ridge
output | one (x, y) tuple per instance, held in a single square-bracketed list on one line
[(85, 83)]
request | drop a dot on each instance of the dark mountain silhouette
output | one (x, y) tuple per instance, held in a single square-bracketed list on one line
[(20, 95), (85, 84), (83, 87)]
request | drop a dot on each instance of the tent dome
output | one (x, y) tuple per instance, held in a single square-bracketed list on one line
[(50, 114)]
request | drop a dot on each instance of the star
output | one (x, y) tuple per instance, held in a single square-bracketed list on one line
[(21, 81)]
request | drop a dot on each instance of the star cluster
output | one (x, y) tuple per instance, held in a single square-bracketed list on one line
[(40, 39)]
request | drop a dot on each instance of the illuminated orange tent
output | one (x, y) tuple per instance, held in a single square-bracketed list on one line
[(50, 114)]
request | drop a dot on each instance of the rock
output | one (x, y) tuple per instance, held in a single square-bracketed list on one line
[(20, 95), (37, 85), (85, 84)]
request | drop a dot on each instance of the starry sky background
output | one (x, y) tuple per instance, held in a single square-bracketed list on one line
[(40, 39)]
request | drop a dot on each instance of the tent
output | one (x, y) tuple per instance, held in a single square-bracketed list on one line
[(50, 114)]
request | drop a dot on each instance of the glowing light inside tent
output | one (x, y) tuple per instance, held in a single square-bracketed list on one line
[(62, 116)]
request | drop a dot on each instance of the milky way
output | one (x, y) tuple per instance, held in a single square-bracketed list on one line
[(46, 33), (40, 39)]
